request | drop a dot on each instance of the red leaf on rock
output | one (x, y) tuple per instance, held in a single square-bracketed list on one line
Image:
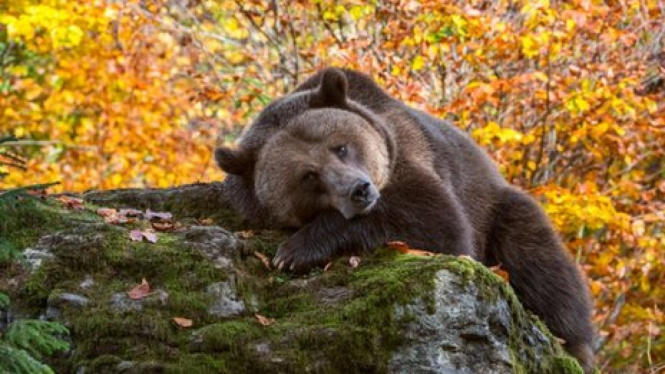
[(71, 202), (140, 291), (404, 248), (500, 272)]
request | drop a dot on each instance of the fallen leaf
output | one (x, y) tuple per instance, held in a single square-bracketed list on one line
[(399, 246), (263, 258), (404, 248), (265, 321), (327, 267), (107, 212), (183, 322), (140, 291), (354, 261), (150, 236), (500, 272), (163, 226), (420, 252), (158, 216), (246, 234), (71, 202), (136, 235), (130, 213), (37, 193), (206, 221)]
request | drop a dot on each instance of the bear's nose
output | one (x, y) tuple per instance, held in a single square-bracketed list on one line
[(361, 191)]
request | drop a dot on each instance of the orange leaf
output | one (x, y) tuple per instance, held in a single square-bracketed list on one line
[(246, 234), (399, 246), (106, 212), (183, 322), (500, 272), (71, 202), (263, 258), (404, 248), (265, 321), (140, 291)]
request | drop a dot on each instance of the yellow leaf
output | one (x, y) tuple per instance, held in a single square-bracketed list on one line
[(417, 63)]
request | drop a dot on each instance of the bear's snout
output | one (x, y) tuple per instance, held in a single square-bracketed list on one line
[(360, 199), (364, 194)]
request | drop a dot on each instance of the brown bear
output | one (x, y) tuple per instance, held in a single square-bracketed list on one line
[(352, 168)]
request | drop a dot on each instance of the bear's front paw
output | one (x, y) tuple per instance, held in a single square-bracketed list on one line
[(297, 258)]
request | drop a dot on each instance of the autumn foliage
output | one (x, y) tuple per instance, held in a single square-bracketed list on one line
[(568, 98)]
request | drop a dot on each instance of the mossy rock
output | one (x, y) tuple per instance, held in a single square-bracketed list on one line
[(393, 313)]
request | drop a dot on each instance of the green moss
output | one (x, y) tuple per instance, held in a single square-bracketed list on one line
[(24, 221)]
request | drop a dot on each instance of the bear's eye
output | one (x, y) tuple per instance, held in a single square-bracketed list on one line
[(340, 151), (310, 176)]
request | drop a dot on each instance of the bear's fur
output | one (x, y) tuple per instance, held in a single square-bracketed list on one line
[(353, 168)]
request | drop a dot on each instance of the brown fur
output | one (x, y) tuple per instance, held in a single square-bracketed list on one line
[(438, 191)]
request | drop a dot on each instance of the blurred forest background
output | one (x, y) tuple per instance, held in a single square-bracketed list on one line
[(568, 98)]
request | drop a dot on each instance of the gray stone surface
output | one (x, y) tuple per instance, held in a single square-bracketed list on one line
[(216, 243), (226, 302), (465, 334)]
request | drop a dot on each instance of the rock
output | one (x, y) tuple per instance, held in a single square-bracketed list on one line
[(225, 299), (120, 302), (59, 301), (393, 313), (34, 257), (218, 245), (463, 334)]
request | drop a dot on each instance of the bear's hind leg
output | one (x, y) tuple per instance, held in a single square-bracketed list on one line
[(542, 272)]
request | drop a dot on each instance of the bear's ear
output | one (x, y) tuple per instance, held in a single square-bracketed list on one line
[(234, 161), (333, 89)]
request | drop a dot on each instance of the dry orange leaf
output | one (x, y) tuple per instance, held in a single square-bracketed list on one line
[(107, 212), (183, 322), (265, 321), (399, 246), (264, 259), (500, 272), (140, 291), (404, 248), (246, 234), (71, 202), (164, 226)]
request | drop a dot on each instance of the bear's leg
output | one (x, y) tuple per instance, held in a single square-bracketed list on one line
[(416, 210), (542, 272)]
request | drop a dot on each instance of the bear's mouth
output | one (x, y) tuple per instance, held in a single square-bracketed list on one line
[(351, 209), (367, 206)]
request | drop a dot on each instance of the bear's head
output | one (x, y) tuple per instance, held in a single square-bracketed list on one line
[(280, 120), (323, 159)]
